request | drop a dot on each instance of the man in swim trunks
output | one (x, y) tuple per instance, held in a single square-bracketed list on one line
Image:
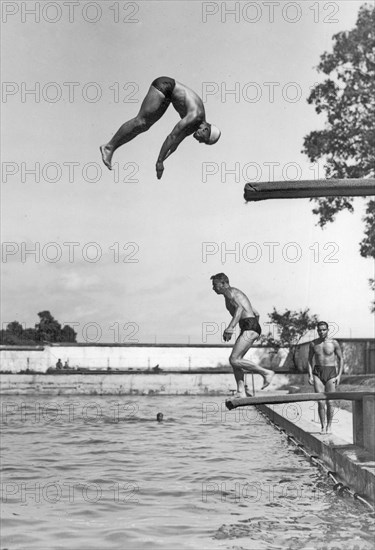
[(323, 376), (164, 91), (243, 313)]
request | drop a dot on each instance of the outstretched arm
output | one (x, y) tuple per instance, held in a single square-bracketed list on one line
[(178, 134)]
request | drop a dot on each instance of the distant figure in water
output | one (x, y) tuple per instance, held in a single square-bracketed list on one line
[(164, 91), (159, 417), (246, 316), (59, 364), (323, 375)]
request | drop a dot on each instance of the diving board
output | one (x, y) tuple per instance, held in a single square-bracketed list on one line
[(294, 398), (301, 189), (363, 410)]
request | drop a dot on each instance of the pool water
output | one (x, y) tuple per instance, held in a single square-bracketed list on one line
[(99, 472)]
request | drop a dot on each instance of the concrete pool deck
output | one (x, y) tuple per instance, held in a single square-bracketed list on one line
[(353, 464)]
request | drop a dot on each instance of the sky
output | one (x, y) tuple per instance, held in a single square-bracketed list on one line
[(124, 257)]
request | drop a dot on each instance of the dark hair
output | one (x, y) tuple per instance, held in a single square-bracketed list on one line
[(220, 277), (322, 323)]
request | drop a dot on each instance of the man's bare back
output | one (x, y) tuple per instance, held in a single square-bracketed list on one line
[(186, 101)]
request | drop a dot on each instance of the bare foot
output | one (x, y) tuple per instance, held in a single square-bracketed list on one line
[(328, 430), (267, 380), (106, 155), (240, 395), (322, 431)]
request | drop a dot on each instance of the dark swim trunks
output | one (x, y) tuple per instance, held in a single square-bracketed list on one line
[(250, 323), (165, 85), (325, 373)]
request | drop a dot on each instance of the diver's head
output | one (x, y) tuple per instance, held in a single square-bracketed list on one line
[(207, 133)]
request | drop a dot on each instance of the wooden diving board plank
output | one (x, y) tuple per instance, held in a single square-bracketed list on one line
[(301, 189), (294, 397)]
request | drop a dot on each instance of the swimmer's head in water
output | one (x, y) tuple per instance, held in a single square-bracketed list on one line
[(219, 282), (207, 133), (159, 417)]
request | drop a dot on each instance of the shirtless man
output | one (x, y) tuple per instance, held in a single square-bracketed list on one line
[(323, 376), (164, 91), (239, 306)]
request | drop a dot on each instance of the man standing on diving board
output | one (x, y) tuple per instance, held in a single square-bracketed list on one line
[(243, 313), (164, 91), (323, 376)]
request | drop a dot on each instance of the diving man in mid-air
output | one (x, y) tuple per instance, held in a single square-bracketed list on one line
[(164, 91)]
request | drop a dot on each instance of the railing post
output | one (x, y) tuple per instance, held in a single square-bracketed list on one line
[(358, 431), (369, 422)]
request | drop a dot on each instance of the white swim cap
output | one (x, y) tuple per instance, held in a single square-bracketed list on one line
[(214, 135)]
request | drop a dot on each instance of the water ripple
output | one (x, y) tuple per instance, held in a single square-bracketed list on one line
[(189, 482)]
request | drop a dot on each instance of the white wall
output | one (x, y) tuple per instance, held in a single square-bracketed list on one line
[(125, 357)]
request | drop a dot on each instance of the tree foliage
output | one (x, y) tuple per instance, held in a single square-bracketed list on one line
[(291, 326), (347, 98), (48, 330)]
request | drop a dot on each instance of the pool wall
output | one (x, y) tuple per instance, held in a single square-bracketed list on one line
[(134, 384), (355, 465)]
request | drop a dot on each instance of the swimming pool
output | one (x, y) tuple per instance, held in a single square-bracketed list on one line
[(91, 472)]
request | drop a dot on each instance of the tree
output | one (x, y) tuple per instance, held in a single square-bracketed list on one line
[(14, 334), (291, 326), (29, 335), (48, 330), (15, 328), (68, 334), (347, 97)]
